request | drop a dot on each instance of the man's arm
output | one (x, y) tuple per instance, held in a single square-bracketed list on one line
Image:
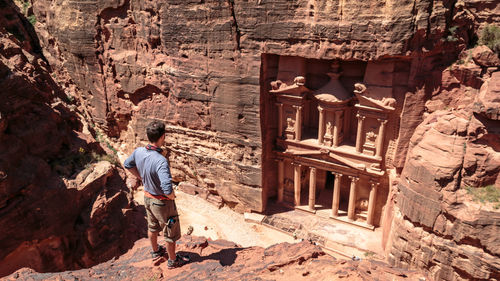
[(165, 179), (129, 164)]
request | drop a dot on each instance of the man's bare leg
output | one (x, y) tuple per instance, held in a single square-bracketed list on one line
[(153, 238), (171, 250)]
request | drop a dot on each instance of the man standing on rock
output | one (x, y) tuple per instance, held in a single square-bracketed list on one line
[(148, 164)]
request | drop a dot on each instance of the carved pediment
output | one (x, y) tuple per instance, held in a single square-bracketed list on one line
[(296, 88), (385, 104)]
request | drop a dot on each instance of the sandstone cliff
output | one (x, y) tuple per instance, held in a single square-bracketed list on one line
[(438, 223), (205, 67), (201, 67), (52, 217)]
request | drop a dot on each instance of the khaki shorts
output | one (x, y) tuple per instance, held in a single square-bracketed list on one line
[(158, 212)]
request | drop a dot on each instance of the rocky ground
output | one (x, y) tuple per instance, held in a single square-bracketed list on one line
[(225, 247), (224, 260)]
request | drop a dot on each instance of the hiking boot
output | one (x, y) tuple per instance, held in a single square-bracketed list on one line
[(158, 254), (178, 262)]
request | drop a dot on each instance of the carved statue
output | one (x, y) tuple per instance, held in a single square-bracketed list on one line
[(290, 124), (359, 88), (299, 80), (362, 204), (371, 137), (362, 93), (390, 102), (275, 85), (279, 85), (329, 128)]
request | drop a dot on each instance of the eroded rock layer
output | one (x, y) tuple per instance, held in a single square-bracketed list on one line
[(224, 260), (438, 224), (52, 217), (198, 66)]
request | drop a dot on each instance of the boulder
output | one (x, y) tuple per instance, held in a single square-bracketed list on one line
[(484, 56)]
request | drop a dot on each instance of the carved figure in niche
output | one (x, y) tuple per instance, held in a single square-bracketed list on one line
[(362, 204), (290, 123), (329, 129), (328, 139), (288, 183), (371, 137)]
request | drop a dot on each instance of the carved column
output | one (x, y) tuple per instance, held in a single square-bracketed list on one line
[(336, 128), (321, 125), (336, 195), (280, 119), (359, 137), (372, 201), (352, 198), (296, 183), (380, 137), (281, 179), (298, 122), (312, 189)]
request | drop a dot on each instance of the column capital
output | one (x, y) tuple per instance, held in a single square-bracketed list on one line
[(354, 179), (298, 107), (374, 184), (337, 174), (360, 117), (296, 164), (382, 121), (320, 109), (279, 104)]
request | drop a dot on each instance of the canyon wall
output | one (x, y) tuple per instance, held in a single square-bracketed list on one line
[(438, 224), (204, 68), (54, 214), (197, 66)]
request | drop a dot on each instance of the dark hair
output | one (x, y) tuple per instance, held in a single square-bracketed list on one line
[(155, 130)]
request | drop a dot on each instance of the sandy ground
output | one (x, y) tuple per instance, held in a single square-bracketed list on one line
[(209, 221)]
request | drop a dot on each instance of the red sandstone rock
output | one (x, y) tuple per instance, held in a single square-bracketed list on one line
[(483, 56), (223, 260), (197, 66), (488, 100), (448, 152), (50, 221)]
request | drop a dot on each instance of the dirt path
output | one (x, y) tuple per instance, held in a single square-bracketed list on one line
[(209, 221)]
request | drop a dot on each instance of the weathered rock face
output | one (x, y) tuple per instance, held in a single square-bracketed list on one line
[(437, 225), (224, 260), (197, 66), (48, 223), (204, 68)]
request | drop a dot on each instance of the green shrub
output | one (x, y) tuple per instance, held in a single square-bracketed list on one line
[(490, 36), (453, 34), (71, 163), (32, 19), (485, 194)]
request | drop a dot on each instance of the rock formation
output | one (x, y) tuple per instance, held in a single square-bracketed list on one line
[(438, 225), (205, 68), (224, 260), (55, 214)]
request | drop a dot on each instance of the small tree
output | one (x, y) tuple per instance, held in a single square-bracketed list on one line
[(490, 36)]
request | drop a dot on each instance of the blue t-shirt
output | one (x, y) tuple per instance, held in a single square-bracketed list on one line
[(153, 168)]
